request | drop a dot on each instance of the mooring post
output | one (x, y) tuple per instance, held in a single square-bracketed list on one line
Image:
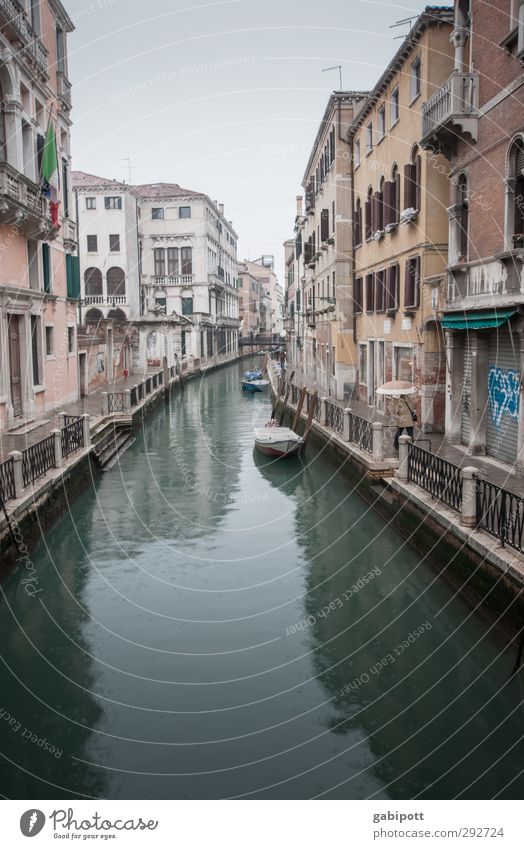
[(87, 430), (378, 440), (404, 445), (469, 497), (59, 460)]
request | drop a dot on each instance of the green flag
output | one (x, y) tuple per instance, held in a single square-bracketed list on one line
[(50, 162)]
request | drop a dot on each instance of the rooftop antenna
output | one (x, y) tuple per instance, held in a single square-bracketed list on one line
[(129, 167), (402, 23), (335, 68)]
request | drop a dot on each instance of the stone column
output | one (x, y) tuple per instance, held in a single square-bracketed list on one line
[(404, 444), (127, 400), (59, 460), (454, 381), (16, 457), (479, 393), (87, 430), (323, 411), (105, 406), (345, 433), (378, 440), (469, 497)]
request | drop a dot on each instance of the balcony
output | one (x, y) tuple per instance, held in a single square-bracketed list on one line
[(182, 280), (451, 114), (13, 21), (22, 205), (64, 91), (105, 301)]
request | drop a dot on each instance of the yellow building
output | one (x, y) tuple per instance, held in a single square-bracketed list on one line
[(400, 224)]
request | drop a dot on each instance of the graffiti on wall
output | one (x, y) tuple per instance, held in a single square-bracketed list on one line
[(503, 394)]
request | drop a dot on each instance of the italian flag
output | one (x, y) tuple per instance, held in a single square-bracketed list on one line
[(50, 172)]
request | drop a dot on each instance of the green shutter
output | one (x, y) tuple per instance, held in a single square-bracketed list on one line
[(46, 264), (73, 276)]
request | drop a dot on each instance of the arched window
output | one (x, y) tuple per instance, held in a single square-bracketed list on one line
[(93, 283), (369, 214), (463, 216), (395, 179), (357, 221), (116, 282), (379, 206), (515, 194), (116, 315), (412, 180), (93, 316)]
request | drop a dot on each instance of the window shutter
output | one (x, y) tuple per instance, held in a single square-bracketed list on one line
[(410, 199), (520, 162), (46, 265), (416, 282), (407, 284), (369, 223), (387, 204), (324, 225)]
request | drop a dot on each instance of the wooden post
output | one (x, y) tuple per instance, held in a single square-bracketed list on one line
[(309, 425), (300, 404), (286, 399)]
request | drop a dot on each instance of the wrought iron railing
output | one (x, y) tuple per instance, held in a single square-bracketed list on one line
[(38, 459), (442, 479), (335, 417), (360, 432), (72, 437), (501, 514), (7, 480), (70, 419), (116, 402)]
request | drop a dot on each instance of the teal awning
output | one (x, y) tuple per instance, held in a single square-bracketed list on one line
[(477, 320)]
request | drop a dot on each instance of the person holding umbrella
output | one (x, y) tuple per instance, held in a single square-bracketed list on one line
[(404, 413)]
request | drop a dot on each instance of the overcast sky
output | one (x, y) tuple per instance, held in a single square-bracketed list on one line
[(223, 97)]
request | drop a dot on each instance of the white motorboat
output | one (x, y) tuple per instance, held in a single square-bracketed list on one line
[(278, 441)]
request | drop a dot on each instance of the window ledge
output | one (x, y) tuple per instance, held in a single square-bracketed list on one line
[(381, 139), (394, 124), (510, 38), (415, 98), (38, 389)]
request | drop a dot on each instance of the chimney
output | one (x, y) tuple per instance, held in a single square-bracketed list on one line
[(299, 206), (221, 208)]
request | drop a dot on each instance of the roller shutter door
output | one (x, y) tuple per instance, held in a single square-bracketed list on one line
[(466, 393), (503, 395)]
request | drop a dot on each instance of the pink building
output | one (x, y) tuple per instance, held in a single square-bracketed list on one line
[(38, 267)]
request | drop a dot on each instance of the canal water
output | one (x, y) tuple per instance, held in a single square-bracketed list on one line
[(208, 624)]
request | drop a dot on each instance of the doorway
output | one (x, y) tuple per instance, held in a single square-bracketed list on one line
[(15, 372)]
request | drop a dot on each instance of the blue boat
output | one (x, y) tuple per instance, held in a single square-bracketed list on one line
[(253, 386)]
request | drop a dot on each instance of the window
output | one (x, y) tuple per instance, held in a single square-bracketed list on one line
[(381, 132), (412, 193), (35, 350), (116, 282), (159, 255), (369, 214), (392, 288), (415, 79), (394, 106), (378, 211), (369, 137), (161, 304), (157, 213), (404, 363), (172, 262), (363, 363), (515, 194), (70, 340), (92, 244), (463, 218), (357, 153), (93, 283), (46, 268), (184, 212), (60, 50), (113, 203), (370, 292), (186, 261), (114, 243), (412, 283), (187, 306), (65, 187), (324, 225), (90, 203), (49, 341), (380, 291)]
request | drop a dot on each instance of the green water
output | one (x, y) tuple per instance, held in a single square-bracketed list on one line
[(197, 636)]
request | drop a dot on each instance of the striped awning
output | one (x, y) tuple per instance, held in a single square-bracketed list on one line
[(477, 320)]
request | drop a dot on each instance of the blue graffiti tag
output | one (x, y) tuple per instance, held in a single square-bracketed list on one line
[(503, 393)]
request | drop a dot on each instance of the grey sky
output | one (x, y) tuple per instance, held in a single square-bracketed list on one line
[(241, 128)]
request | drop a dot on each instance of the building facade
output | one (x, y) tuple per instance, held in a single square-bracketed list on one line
[(326, 350), (476, 119), (252, 310), (38, 271), (400, 225), (271, 293)]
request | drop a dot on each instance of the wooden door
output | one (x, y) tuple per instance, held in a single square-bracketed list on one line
[(15, 374)]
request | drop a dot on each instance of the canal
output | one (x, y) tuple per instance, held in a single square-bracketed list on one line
[(209, 625)]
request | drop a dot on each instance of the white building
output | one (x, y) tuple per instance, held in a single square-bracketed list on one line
[(164, 258)]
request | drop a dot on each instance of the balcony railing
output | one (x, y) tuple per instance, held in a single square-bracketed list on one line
[(64, 89), (180, 280), (14, 21), (21, 203), (452, 111), (103, 301)]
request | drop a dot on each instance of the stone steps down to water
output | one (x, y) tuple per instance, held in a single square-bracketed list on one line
[(111, 442)]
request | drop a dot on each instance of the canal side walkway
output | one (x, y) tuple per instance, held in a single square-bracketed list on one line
[(443, 501)]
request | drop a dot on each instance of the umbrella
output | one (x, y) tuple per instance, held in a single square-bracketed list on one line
[(397, 388)]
